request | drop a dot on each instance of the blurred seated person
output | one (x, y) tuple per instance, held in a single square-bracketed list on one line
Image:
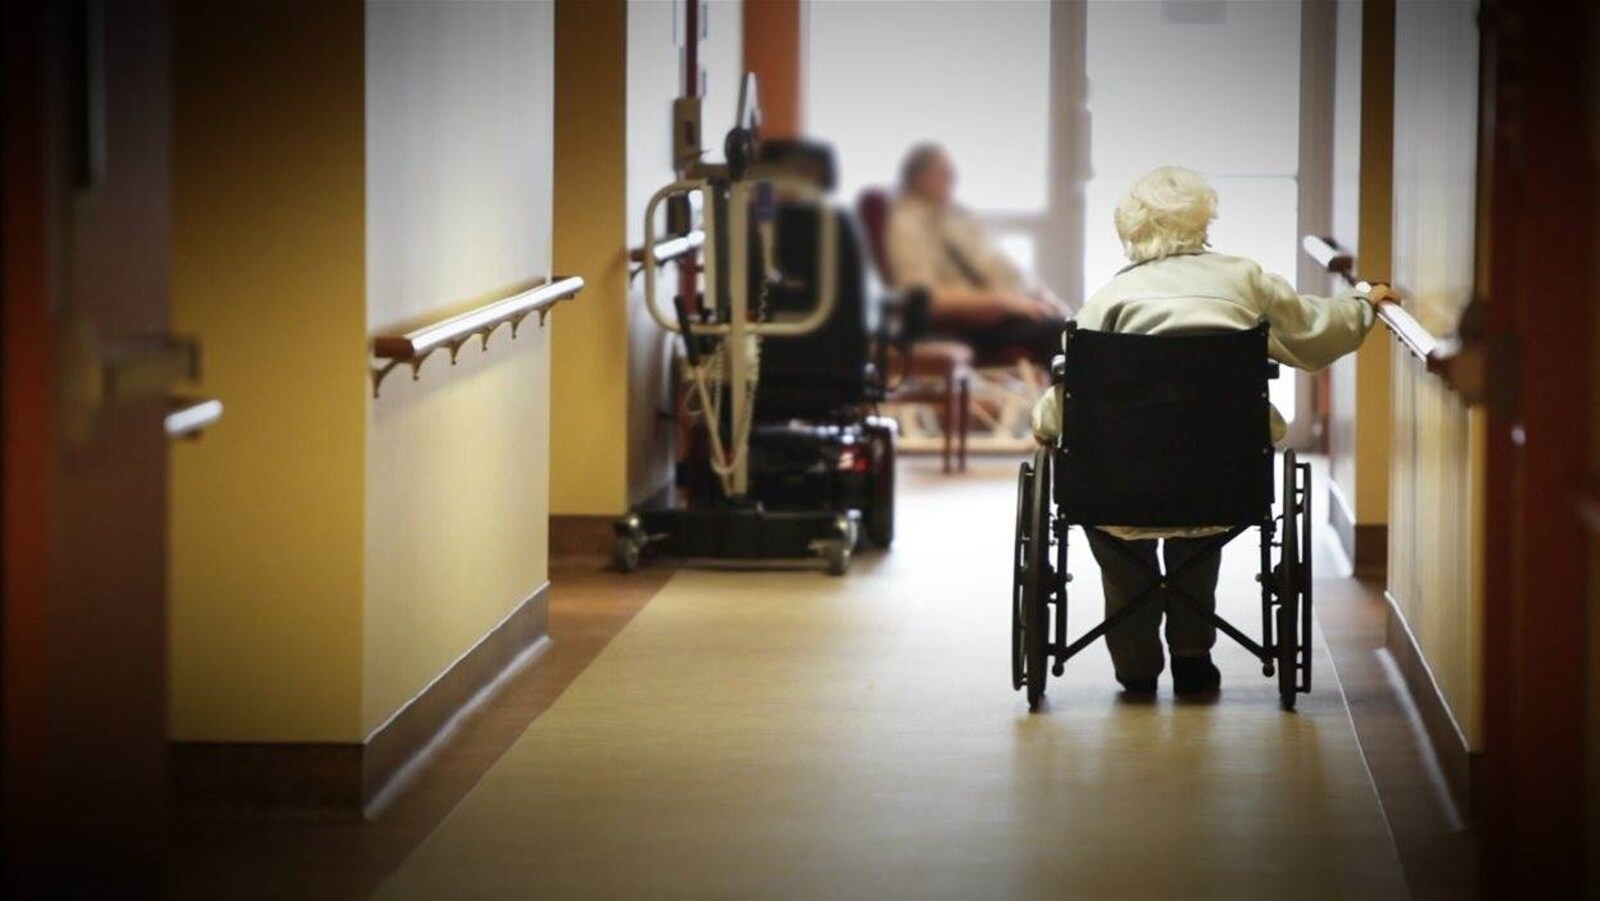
[(976, 293)]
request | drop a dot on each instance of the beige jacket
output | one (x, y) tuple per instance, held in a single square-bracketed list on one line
[(931, 248), (1208, 292)]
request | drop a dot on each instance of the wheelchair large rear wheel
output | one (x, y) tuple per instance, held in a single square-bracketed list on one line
[(1307, 576), (1036, 584), (1019, 573), (1289, 588)]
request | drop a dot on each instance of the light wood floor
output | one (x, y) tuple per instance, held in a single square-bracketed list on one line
[(793, 735)]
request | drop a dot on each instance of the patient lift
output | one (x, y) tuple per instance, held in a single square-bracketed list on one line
[(842, 454)]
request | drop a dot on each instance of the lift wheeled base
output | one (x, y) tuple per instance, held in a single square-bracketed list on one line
[(739, 536)]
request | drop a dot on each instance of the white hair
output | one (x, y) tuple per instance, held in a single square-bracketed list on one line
[(1168, 210)]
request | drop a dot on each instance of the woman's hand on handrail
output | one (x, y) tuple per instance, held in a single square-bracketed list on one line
[(1380, 293)]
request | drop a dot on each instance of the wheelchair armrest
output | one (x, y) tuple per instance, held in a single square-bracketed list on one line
[(903, 319), (905, 316), (1273, 369)]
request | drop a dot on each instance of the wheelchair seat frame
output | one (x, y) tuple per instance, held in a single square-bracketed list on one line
[(1040, 639)]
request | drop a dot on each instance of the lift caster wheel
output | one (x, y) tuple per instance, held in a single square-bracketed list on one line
[(626, 552), (838, 554)]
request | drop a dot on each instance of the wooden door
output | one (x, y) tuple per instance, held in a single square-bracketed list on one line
[(86, 366), (1534, 327)]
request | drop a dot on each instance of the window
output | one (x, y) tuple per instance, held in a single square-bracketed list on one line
[(974, 76), (1225, 101)]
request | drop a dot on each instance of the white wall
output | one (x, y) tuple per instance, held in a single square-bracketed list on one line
[(459, 137), (974, 76), (722, 61), (1219, 96), (654, 79)]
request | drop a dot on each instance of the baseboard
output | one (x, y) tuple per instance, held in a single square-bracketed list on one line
[(1366, 545), (1459, 763), (413, 728), (345, 779), (576, 538)]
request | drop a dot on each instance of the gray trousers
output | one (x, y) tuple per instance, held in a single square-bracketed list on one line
[(1135, 643)]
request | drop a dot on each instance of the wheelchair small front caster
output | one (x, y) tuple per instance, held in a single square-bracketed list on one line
[(1057, 668), (1267, 669)]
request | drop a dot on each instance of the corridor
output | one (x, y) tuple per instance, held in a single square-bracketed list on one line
[(783, 734), (570, 449)]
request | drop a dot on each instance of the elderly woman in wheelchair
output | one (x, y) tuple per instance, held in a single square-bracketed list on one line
[(1157, 439)]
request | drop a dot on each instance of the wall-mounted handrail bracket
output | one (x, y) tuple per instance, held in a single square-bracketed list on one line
[(414, 347)]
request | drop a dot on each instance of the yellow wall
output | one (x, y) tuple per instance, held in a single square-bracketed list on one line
[(613, 150), (1435, 572), (1360, 438), (332, 553), (1372, 442), (266, 510), (1435, 575), (459, 120), (589, 411)]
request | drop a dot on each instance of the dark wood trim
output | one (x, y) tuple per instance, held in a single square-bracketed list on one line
[(302, 777), (1365, 545), (346, 779), (581, 538), (1457, 760), (1372, 549), (1534, 299)]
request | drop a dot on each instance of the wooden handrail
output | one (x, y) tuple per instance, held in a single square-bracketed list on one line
[(414, 347), (1422, 344), (1329, 256), (187, 417), (672, 248), (1464, 366)]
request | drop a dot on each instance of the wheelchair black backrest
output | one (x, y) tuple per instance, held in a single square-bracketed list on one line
[(815, 376), (1165, 430)]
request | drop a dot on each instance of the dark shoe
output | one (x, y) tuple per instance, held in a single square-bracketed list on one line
[(1138, 686), (1194, 675)]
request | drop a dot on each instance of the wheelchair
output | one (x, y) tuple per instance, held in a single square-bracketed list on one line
[(1162, 431)]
